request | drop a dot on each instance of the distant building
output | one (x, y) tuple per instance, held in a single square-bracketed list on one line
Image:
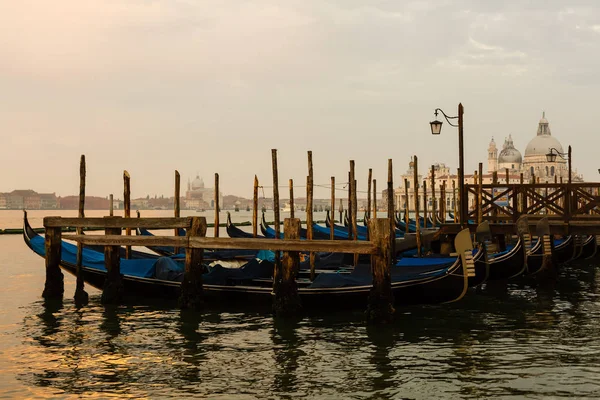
[(535, 162), (27, 199), (198, 196)]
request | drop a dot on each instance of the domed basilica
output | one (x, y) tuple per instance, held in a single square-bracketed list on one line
[(535, 162), (198, 196)]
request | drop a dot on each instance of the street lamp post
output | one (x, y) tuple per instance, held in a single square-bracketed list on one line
[(551, 157), (436, 128), (553, 153)]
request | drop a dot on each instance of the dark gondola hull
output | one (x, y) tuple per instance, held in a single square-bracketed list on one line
[(588, 248), (508, 265), (450, 285), (565, 251)]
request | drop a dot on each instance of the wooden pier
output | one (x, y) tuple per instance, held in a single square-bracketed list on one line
[(571, 208)]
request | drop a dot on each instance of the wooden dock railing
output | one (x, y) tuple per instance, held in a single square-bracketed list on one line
[(557, 201)]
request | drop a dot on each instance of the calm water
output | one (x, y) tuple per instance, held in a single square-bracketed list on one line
[(522, 342)]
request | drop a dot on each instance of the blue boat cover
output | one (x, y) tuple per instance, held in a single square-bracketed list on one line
[(164, 268)]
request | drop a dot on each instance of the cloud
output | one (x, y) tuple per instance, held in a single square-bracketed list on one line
[(195, 84)]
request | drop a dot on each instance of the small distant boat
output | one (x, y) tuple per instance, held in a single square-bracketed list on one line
[(247, 208), (200, 210)]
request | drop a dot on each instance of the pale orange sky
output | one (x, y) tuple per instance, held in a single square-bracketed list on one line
[(212, 86)]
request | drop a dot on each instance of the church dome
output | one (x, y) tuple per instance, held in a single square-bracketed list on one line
[(197, 183), (509, 155), (541, 145), (543, 142)]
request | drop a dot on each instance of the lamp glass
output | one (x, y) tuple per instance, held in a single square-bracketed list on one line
[(436, 127), (551, 157)]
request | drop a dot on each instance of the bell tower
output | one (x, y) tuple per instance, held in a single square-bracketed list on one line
[(492, 157)]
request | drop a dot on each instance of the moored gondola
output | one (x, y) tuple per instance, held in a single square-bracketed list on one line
[(564, 249), (588, 247), (235, 232), (134, 254), (415, 281)]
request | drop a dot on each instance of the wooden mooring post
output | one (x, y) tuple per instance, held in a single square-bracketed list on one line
[(309, 213), (331, 226), (111, 205), (416, 194), (255, 208), (217, 206), (54, 287), (112, 292), (277, 267), (406, 204), (81, 297), (369, 179), (291, 182), (287, 301), (433, 198), (177, 205), (425, 203), (391, 210), (380, 308), (127, 207), (454, 199), (480, 194), (349, 208), (443, 203), (354, 209), (374, 198), (191, 296)]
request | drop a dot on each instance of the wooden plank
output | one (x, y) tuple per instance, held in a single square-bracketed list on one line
[(117, 222), (339, 246)]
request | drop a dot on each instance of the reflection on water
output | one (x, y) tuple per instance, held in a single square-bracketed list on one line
[(525, 340)]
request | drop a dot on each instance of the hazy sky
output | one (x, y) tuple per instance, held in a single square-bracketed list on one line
[(213, 86)]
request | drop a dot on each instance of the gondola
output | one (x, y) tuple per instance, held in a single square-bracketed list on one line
[(587, 248), (596, 251), (564, 249), (417, 281), (270, 233), (506, 264), (541, 260), (235, 232), (134, 254)]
